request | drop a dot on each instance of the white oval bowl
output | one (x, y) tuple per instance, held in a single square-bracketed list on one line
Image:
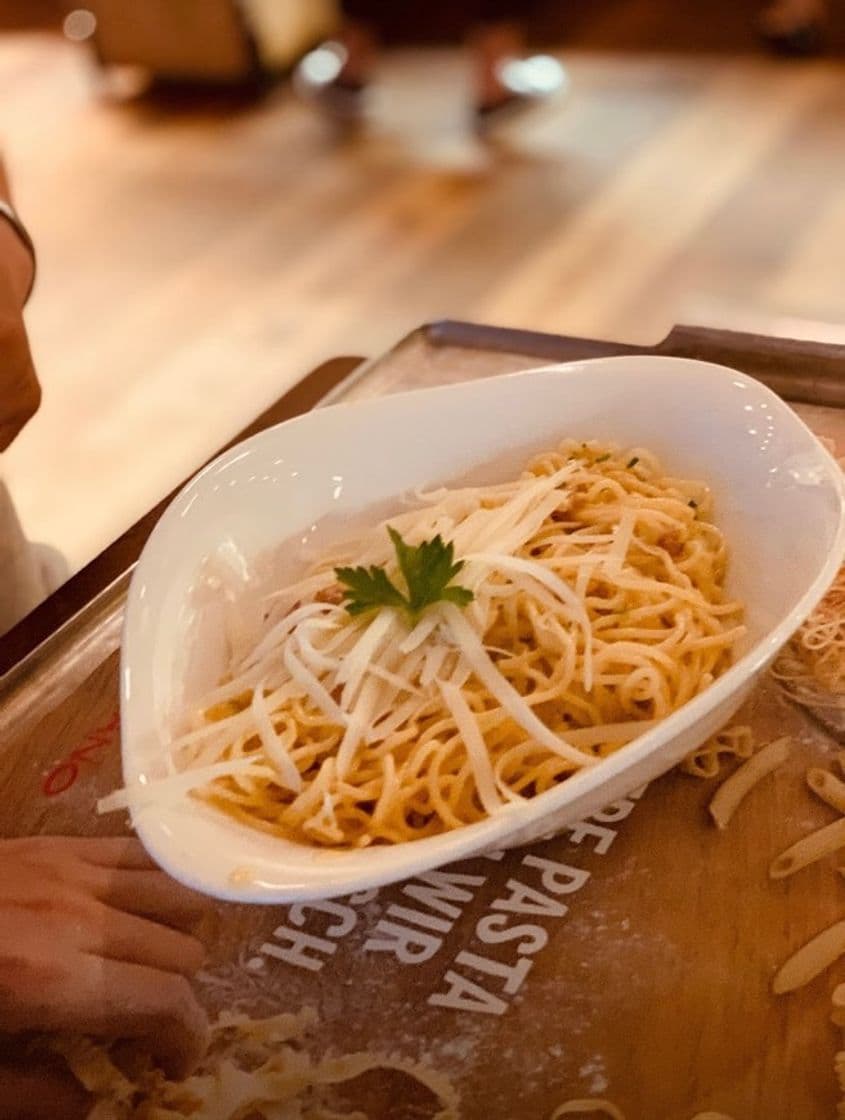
[(779, 500)]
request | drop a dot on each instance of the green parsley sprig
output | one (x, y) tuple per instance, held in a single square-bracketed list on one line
[(428, 570)]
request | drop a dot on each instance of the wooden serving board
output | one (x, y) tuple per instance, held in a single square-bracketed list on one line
[(629, 959)]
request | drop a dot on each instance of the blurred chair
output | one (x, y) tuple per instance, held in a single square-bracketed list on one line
[(217, 41), (794, 27), (285, 29)]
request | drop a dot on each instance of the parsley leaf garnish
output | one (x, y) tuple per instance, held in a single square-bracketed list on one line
[(428, 571), (368, 588)]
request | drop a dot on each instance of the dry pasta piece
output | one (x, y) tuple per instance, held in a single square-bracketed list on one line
[(809, 850), (838, 1001), (828, 787), (811, 960), (593, 1104), (706, 762), (742, 781), (839, 1067), (260, 1068)]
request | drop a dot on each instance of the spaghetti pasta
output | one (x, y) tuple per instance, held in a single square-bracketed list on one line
[(811, 668), (598, 608)]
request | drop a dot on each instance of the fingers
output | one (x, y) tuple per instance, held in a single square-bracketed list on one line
[(159, 1009), (92, 941), (113, 851), (103, 851), (149, 894), (115, 870), (125, 937), (21, 393), (113, 999), (47, 985), (33, 1090)]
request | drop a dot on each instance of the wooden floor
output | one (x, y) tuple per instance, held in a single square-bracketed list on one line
[(195, 261)]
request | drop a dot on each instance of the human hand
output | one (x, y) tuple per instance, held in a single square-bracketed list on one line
[(20, 393), (93, 940), (40, 1088)]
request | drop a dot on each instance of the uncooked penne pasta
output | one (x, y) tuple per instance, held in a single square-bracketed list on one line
[(811, 960), (742, 781), (580, 1107), (809, 849), (828, 787), (838, 1001), (606, 1108)]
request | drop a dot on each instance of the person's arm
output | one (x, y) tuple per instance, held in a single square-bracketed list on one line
[(94, 940), (20, 393)]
